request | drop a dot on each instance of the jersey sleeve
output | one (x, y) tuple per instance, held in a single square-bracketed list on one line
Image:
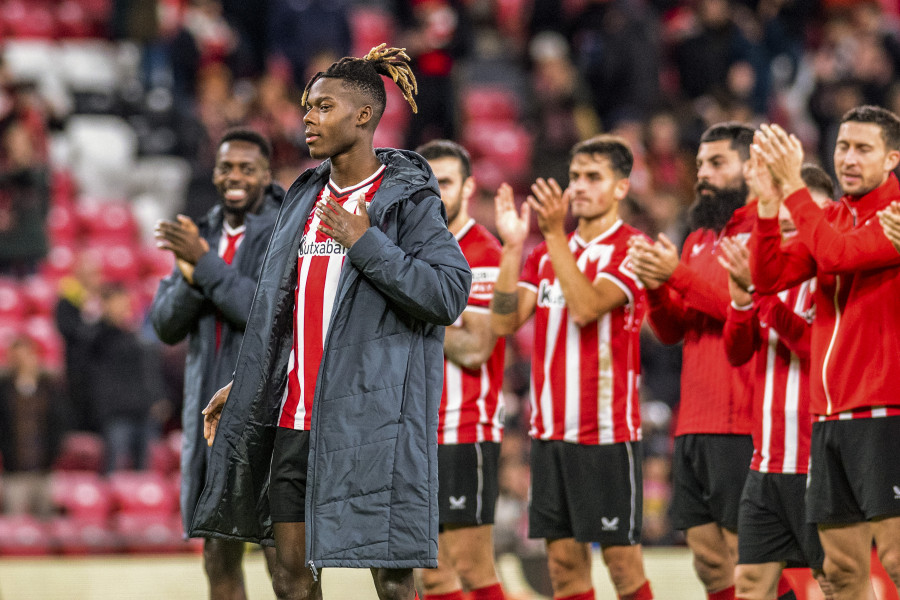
[(618, 270), (484, 260), (530, 277)]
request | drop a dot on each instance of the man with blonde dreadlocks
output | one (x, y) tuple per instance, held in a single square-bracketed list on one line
[(328, 441)]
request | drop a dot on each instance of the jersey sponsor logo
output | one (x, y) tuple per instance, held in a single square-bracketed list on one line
[(697, 249), (327, 248), (897, 492), (457, 503), (550, 295), (609, 524)]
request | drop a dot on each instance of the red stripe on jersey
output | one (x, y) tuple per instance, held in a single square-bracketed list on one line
[(585, 379), (782, 423), (319, 263), (471, 405)]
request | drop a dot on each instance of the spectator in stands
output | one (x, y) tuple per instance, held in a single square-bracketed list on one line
[(77, 312), (24, 202), (124, 381), (436, 34), (33, 418)]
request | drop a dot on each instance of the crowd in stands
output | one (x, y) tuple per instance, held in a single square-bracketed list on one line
[(109, 115)]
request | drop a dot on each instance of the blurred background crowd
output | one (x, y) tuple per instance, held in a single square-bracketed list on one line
[(110, 111)]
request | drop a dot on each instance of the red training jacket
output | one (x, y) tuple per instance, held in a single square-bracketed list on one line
[(692, 306), (856, 331)]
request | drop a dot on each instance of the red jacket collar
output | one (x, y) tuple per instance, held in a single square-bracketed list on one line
[(866, 206)]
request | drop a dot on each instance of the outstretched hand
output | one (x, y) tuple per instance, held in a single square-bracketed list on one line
[(890, 223), (783, 155), (512, 226), (342, 225), (213, 412)]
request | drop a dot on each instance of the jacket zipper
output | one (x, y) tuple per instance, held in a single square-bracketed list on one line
[(837, 322)]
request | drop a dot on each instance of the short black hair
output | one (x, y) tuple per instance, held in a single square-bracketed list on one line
[(251, 136), (613, 147), (885, 119), (447, 149), (817, 179), (364, 76), (739, 134)]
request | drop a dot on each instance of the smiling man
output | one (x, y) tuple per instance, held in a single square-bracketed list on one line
[(853, 493), (207, 299), (328, 439), (585, 414)]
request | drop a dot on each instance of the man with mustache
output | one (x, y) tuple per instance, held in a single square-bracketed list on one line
[(688, 301)]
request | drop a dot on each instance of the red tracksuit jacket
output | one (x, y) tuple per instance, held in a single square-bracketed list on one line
[(856, 331)]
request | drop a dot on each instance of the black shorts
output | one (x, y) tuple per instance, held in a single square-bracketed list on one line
[(772, 525), (467, 483), (590, 493), (708, 474), (854, 474), (287, 483)]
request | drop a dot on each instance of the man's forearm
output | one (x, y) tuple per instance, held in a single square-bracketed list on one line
[(505, 303)]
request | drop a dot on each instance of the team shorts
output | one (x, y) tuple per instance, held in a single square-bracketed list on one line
[(587, 492), (287, 482), (854, 473), (467, 483), (708, 474), (772, 523)]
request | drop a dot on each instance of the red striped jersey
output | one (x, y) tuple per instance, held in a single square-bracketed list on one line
[(584, 380), (874, 412), (319, 262), (776, 333), (471, 405)]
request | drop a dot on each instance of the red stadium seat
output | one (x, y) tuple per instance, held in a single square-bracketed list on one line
[(29, 19), (41, 295), (143, 492), (23, 535), (156, 263), (10, 329), (140, 532), (369, 27), (80, 451), (492, 104), (81, 494), (63, 225), (75, 21), (163, 458), (80, 536), (119, 261), (108, 223), (60, 261), (13, 303), (42, 329)]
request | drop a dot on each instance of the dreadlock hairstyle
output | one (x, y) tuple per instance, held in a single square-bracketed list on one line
[(364, 76)]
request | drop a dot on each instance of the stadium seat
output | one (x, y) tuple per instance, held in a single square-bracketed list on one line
[(42, 329), (81, 494), (29, 19), (13, 304), (29, 59), (102, 150), (24, 535), (89, 65), (108, 223), (73, 20), (142, 492), (41, 295), (10, 329), (148, 532), (118, 261), (59, 263), (63, 225), (80, 451), (491, 104), (79, 536), (156, 263), (163, 459), (369, 27)]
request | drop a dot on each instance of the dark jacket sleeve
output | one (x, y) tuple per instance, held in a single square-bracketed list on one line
[(230, 291), (428, 277), (175, 308)]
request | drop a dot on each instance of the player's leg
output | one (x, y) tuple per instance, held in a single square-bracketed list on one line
[(269, 555), (756, 581), (887, 539), (222, 561), (848, 551), (465, 560), (715, 555), (292, 578), (626, 571), (394, 584), (569, 562)]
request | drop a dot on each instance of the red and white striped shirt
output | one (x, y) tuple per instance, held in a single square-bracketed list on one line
[(584, 380), (775, 332), (319, 263), (471, 405)]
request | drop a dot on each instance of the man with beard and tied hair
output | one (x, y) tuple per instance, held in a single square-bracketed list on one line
[(688, 301), (207, 299)]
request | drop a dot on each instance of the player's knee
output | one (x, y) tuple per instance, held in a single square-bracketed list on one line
[(564, 569), (890, 560), (625, 572), (749, 584), (842, 571), (436, 579), (222, 560), (394, 584)]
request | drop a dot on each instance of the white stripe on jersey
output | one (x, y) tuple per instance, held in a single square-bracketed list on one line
[(768, 399), (605, 381), (573, 381), (453, 387)]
